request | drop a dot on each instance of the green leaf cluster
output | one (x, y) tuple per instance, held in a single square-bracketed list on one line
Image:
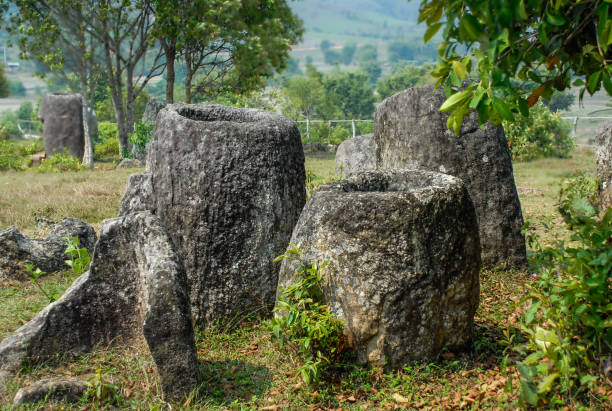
[(59, 163), (569, 317), (304, 323), (555, 44), (79, 256), (140, 138)]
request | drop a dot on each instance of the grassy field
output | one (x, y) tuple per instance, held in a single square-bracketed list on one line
[(246, 368)]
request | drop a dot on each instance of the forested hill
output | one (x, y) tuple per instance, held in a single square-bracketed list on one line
[(340, 21)]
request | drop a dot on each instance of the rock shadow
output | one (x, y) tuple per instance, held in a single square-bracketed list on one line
[(223, 382)]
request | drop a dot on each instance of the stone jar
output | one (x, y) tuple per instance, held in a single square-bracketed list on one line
[(404, 261)]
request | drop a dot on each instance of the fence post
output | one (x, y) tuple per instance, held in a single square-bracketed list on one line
[(353, 124), (329, 132), (575, 125), (308, 128)]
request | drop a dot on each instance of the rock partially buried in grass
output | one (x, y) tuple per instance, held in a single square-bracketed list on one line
[(404, 261), (229, 185), (48, 254), (355, 155), (53, 389), (136, 285), (410, 132)]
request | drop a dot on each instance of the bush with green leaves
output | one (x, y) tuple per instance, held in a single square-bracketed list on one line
[(569, 318), (140, 138), (304, 323), (11, 157), (79, 256), (59, 163), (107, 145), (541, 134)]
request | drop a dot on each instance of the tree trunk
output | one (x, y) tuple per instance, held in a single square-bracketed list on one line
[(170, 53), (88, 152), (188, 79)]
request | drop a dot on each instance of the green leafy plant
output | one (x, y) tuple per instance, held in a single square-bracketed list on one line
[(10, 156), (79, 256), (142, 135), (304, 323), (60, 162), (541, 134), (108, 148), (101, 390), (569, 316), (35, 275)]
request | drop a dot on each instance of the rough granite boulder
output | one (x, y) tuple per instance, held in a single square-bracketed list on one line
[(52, 389), (410, 132), (229, 185), (48, 254), (404, 261), (355, 155), (604, 166), (62, 118), (154, 105), (136, 285)]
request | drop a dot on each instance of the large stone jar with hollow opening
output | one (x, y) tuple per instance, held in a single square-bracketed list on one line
[(229, 185), (404, 261)]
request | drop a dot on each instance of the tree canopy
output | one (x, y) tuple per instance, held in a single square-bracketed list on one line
[(555, 44)]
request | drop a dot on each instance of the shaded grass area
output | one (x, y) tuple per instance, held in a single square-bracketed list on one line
[(247, 369)]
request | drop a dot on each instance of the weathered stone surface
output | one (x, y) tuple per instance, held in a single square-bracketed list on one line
[(604, 165), (355, 155), (48, 254), (53, 389), (154, 105), (130, 163), (410, 132), (229, 185), (314, 148), (62, 117), (136, 285), (404, 260)]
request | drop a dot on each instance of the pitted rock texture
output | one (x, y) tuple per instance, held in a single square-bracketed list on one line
[(48, 254), (355, 155), (229, 185), (604, 166), (62, 117), (136, 285), (404, 261), (52, 389), (154, 105), (410, 132)]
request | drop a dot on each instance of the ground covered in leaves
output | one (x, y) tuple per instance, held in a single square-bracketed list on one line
[(245, 368)]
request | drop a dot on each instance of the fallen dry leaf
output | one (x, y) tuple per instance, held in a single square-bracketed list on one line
[(400, 398)]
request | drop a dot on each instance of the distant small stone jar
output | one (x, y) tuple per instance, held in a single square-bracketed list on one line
[(404, 261), (62, 118), (229, 185)]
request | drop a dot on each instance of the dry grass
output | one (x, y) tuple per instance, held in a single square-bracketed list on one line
[(89, 196)]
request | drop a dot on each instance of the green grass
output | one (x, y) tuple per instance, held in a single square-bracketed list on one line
[(246, 368)]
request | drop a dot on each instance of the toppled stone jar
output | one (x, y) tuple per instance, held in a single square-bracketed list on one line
[(404, 261), (229, 185)]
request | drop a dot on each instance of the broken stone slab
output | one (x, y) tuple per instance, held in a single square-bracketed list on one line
[(355, 155), (229, 185), (48, 254), (603, 153), (52, 389), (404, 261), (62, 118), (411, 132), (130, 163), (136, 285)]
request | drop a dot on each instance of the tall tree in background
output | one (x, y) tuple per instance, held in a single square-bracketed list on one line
[(555, 44), (53, 33)]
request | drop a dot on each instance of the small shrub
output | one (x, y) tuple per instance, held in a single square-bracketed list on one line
[(304, 322), (34, 147), (35, 275), (109, 148), (140, 138), (569, 319), (58, 163), (542, 134), (10, 156), (107, 130), (79, 256)]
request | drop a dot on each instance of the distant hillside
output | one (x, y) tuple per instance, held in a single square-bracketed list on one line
[(376, 22)]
